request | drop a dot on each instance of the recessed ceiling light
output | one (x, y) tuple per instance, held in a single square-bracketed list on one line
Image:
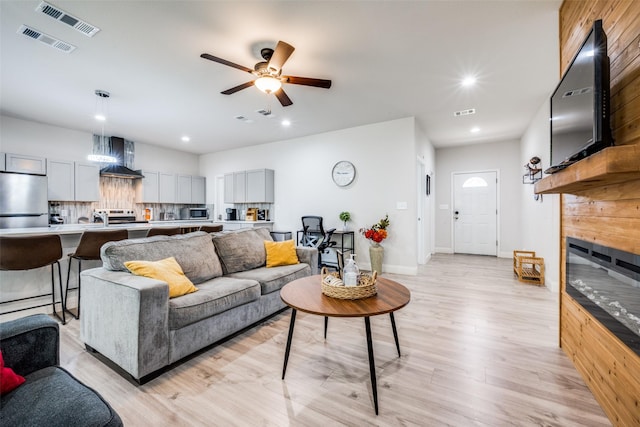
[(286, 123), (100, 117), (475, 130), (185, 139), (469, 81)]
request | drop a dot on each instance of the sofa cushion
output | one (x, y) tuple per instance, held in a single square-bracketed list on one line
[(241, 250), (53, 397), (168, 270), (273, 279), (194, 252), (213, 297)]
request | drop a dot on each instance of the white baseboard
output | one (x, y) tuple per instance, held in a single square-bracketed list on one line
[(393, 269), (444, 250)]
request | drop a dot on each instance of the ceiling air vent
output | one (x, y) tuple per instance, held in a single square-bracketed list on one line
[(267, 113), (465, 112), (244, 119), (46, 39), (60, 15)]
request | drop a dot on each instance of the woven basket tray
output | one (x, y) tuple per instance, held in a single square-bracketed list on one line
[(366, 286)]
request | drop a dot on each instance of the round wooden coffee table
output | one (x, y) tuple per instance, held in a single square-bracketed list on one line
[(306, 295)]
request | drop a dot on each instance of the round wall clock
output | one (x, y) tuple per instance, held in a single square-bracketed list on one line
[(343, 173)]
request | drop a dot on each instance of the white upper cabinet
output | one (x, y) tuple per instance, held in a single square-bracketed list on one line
[(73, 181), (87, 177), (183, 194), (239, 187), (61, 180), (147, 190), (25, 164), (254, 186), (198, 190), (260, 186), (167, 187)]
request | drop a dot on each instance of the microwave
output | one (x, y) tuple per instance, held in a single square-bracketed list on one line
[(194, 213)]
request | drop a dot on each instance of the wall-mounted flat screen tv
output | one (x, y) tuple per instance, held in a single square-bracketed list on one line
[(580, 104)]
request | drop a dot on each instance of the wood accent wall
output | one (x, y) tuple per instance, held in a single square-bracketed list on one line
[(608, 215)]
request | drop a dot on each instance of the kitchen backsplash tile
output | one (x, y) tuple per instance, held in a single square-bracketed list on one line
[(115, 193)]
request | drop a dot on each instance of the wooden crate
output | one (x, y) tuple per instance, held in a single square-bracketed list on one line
[(528, 267)]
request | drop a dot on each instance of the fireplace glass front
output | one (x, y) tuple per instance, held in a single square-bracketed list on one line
[(606, 282)]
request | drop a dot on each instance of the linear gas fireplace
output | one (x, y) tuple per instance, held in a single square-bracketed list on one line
[(606, 282)]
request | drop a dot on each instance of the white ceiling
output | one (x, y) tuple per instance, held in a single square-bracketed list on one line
[(386, 59)]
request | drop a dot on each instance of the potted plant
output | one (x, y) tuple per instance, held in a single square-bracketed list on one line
[(345, 217)]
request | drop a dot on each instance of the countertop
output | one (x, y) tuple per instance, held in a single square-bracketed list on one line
[(79, 228)]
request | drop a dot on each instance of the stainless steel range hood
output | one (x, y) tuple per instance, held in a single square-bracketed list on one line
[(119, 170)]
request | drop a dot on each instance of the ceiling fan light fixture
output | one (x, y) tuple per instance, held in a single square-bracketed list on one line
[(268, 84)]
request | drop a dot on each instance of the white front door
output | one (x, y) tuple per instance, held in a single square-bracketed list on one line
[(475, 213)]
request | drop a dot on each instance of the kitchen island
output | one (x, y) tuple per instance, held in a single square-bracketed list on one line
[(27, 284)]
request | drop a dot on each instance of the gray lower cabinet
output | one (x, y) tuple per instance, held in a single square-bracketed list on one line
[(3, 156)]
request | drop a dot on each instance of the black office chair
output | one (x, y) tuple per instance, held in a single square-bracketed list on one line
[(315, 236)]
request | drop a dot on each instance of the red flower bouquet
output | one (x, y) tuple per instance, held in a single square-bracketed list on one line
[(378, 232)]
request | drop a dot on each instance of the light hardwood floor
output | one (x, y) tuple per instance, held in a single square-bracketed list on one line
[(478, 348)]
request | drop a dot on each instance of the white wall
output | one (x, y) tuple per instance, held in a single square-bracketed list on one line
[(541, 219), (38, 139), (502, 156), (384, 155), (426, 157)]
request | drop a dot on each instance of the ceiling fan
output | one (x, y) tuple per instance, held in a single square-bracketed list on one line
[(269, 78)]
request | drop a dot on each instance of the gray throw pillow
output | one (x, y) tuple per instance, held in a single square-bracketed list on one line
[(241, 250), (194, 252)]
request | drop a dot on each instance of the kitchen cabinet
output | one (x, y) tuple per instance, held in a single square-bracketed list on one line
[(183, 194), (73, 181), (198, 190), (228, 188), (25, 164), (166, 187), (191, 189), (259, 186), (3, 156), (147, 188), (87, 182), (253, 186), (61, 180)]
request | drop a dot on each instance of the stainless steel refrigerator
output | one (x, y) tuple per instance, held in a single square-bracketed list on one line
[(23, 200)]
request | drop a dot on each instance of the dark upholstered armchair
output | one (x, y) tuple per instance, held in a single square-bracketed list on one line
[(50, 395)]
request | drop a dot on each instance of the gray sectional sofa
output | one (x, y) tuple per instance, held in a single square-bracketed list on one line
[(131, 320)]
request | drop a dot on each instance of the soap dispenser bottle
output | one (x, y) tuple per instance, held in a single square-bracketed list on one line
[(351, 272)]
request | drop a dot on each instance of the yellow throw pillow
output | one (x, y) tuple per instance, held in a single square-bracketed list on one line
[(281, 253), (168, 270)]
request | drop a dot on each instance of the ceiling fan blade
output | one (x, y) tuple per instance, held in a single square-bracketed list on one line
[(283, 98), (237, 88), (280, 55), (307, 81), (225, 62)]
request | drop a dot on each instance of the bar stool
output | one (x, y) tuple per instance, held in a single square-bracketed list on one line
[(89, 249), (164, 231), (31, 252), (211, 228)]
